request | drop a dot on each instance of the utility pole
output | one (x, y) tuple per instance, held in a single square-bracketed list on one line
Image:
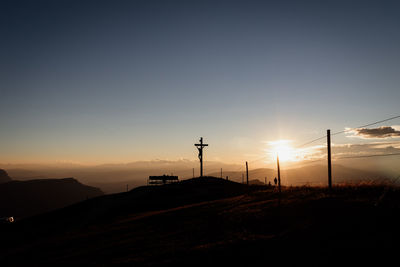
[(193, 172), (221, 173), (328, 135), (200, 148), (247, 173), (279, 175)]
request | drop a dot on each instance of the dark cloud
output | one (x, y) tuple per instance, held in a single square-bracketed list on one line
[(381, 132)]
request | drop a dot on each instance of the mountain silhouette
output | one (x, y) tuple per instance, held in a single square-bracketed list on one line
[(115, 178), (26, 198), (309, 175), (4, 176), (112, 178)]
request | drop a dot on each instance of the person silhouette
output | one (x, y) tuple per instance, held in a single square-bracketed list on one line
[(275, 181)]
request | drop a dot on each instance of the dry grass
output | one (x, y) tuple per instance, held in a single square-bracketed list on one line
[(245, 228)]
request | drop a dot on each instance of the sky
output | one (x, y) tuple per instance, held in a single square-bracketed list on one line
[(119, 81)]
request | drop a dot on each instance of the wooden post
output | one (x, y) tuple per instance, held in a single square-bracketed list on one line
[(279, 185), (201, 161), (279, 174), (328, 135), (247, 173)]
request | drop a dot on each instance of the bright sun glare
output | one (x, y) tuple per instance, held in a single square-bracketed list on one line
[(282, 148)]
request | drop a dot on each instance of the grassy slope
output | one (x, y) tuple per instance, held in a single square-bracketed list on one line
[(212, 221)]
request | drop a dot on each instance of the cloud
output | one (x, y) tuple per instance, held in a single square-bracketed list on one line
[(376, 133), (366, 149), (346, 150)]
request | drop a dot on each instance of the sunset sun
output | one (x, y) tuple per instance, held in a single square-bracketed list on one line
[(283, 149)]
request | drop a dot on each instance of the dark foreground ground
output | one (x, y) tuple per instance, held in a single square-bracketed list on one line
[(212, 221)]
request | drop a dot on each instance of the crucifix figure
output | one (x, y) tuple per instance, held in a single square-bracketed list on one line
[(200, 148)]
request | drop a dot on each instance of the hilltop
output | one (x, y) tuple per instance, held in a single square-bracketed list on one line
[(204, 221)]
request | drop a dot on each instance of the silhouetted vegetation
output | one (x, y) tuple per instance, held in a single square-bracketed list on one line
[(211, 220)]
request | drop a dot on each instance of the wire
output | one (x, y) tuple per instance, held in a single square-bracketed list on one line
[(241, 168), (256, 160), (348, 130), (312, 161), (369, 124), (369, 156), (312, 141)]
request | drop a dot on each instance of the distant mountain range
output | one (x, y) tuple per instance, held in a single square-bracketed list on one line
[(309, 175), (4, 176), (113, 178), (26, 198)]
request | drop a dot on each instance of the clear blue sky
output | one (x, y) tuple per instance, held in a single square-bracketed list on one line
[(110, 81)]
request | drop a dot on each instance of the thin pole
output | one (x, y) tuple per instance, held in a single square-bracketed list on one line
[(279, 174), (193, 172), (221, 173), (247, 173), (328, 135), (201, 158)]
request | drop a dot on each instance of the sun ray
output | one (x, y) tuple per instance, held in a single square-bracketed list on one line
[(287, 152), (283, 149)]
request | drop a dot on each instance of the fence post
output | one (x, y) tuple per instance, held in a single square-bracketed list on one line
[(328, 135), (247, 173)]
